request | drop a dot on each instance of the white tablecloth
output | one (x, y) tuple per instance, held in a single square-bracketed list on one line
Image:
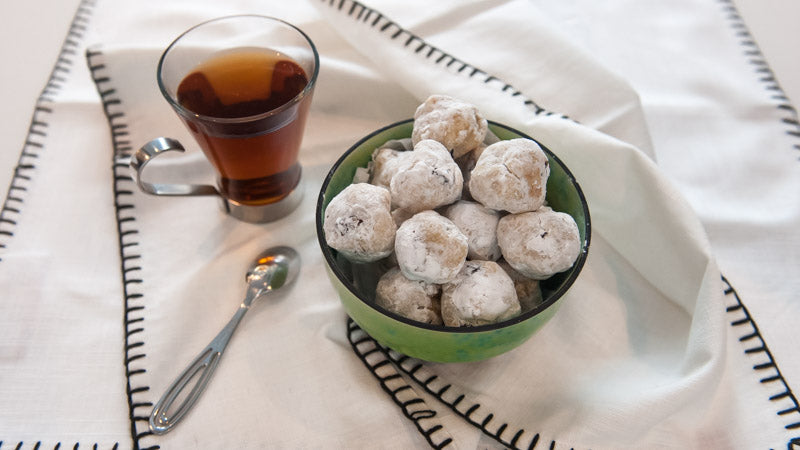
[(686, 149)]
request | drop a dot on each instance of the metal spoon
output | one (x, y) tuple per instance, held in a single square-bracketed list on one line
[(272, 269)]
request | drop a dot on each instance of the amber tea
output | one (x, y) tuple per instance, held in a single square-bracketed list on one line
[(244, 118)]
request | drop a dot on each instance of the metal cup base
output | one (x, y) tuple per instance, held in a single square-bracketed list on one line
[(264, 213)]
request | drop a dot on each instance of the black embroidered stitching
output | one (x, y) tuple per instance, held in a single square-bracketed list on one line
[(364, 345), (472, 413), (128, 242), (375, 359), (37, 129), (38, 445), (789, 412), (762, 69), (362, 13), (767, 367)]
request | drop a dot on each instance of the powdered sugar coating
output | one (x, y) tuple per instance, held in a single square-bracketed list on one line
[(458, 125), (430, 248), (384, 165), (415, 300), (481, 294), (539, 244), (479, 224), (358, 223), (511, 176), (426, 179)]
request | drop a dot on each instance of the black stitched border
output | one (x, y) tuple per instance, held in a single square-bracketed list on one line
[(741, 321), (362, 13), (756, 349), (413, 407), (38, 446), (417, 45), (366, 347), (128, 236), (763, 71), (767, 78), (35, 139), (469, 411)]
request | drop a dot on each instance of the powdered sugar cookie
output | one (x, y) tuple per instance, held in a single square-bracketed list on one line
[(529, 293), (539, 244), (384, 165), (430, 248), (458, 125), (511, 176), (415, 300), (358, 223), (426, 179), (481, 294), (479, 224)]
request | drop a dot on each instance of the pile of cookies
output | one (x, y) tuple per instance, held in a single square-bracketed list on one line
[(459, 215)]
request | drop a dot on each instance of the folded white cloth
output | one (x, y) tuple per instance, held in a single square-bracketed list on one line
[(651, 348)]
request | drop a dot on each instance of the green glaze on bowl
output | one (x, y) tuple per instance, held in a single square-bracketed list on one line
[(355, 283)]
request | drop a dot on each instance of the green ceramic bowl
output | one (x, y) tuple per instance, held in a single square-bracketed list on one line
[(355, 283)]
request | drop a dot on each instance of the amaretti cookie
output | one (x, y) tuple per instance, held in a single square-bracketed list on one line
[(458, 125), (479, 224), (415, 300), (359, 224), (426, 179), (511, 176), (481, 294), (539, 244), (430, 248)]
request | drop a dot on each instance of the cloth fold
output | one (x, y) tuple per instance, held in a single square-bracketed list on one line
[(640, 355)]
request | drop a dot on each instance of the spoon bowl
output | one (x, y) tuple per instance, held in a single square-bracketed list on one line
[(271, 270), (274, 268)]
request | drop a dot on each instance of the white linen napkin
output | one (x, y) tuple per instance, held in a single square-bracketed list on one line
[(640, 355)]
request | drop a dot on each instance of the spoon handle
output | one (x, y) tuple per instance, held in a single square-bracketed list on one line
[(200, 369)]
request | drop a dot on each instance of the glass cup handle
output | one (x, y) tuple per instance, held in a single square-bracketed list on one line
[(149, 151)]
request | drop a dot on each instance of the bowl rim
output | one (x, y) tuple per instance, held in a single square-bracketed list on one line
[(550, 301)]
